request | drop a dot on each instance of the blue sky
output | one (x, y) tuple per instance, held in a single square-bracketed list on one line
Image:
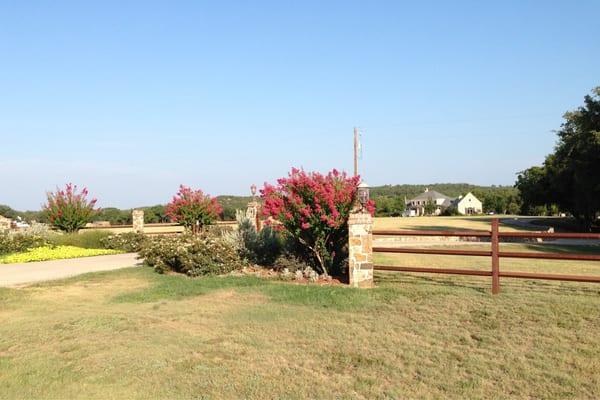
[(134, 98)]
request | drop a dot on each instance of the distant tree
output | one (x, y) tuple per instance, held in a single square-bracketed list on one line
[(569, 176), (534, 187), (8, 212), (430, 207), (389, 206), (114, 215), (155, 214), (69, 209)]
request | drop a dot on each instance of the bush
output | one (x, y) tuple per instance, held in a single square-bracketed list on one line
[(314, 209), (193, 255), (130, 242), (84, 239), (69, 210), (261, 247), (16, 241), (451, 211)]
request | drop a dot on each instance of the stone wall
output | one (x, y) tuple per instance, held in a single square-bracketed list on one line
[(138, 221), (360, 250)]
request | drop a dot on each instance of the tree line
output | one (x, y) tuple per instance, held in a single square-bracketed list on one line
[(569, 178)]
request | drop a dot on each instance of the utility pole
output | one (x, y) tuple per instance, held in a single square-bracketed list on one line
[(355, 151)]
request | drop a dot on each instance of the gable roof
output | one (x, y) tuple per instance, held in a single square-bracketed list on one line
[(431, 194)]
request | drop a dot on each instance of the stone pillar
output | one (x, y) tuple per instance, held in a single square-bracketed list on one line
[(138, 221), (360, 249), (252, 214), (5, 223)]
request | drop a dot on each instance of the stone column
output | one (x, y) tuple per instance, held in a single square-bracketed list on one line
[(138, 221), (252, 214), (360, 249)]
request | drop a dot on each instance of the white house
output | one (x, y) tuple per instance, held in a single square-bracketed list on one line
[(465, 205), (468, 204), (416, 206)]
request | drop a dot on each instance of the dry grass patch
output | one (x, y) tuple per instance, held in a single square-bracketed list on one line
[(441, 223)]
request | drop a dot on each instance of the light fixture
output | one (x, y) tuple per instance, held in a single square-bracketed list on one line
[(363, 194)]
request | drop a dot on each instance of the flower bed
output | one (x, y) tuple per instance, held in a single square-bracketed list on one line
[(47, 253)]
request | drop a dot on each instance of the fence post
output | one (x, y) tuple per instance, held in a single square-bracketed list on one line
[(495, 258), (360, 249), (138, 221)]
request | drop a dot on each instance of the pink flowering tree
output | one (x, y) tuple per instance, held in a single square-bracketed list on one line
[(314, 209), (69, 209), (193, 209)]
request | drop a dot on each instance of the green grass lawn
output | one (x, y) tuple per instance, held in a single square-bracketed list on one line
[(136, 334)]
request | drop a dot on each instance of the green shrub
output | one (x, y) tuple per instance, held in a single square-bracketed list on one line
[(261, 247), (130, 242), (35, 235), (451, 211), (85, 239), (194, 255), (18, 242)]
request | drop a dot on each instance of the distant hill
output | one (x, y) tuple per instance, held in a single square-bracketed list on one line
[(389, 199)]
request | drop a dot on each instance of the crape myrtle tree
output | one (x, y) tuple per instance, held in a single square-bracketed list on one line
[(570, 177), (69, 209), (314, 209), (193, 209)]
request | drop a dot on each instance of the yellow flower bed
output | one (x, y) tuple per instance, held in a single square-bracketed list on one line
[(53, 253)]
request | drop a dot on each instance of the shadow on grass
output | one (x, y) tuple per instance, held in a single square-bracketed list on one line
[(559, 248), (177, 287)]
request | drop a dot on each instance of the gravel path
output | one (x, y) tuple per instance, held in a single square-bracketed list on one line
[(21, 274)]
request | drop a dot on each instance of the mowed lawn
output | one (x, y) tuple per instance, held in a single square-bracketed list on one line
[(136, 334)]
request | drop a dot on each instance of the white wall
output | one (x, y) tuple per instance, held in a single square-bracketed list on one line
[(469, 201)]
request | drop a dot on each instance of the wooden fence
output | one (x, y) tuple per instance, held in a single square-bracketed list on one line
[(494, 235)]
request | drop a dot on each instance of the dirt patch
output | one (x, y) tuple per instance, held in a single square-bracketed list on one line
[(80, 290)]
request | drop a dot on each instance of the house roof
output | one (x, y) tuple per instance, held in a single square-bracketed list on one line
[(431, 194)]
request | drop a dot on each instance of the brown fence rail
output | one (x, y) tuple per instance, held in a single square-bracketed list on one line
[(494, 234)]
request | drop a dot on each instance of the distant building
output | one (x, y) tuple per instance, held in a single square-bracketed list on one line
[(466, 205), (416, 206)]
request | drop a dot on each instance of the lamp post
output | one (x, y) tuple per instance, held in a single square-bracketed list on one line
[(252, 210), (363, 195)]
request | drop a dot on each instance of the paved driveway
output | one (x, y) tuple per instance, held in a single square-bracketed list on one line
[(20, 274)]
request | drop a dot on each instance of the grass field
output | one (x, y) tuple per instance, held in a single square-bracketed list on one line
[(136, 334), (449, 223), (506, 264)]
